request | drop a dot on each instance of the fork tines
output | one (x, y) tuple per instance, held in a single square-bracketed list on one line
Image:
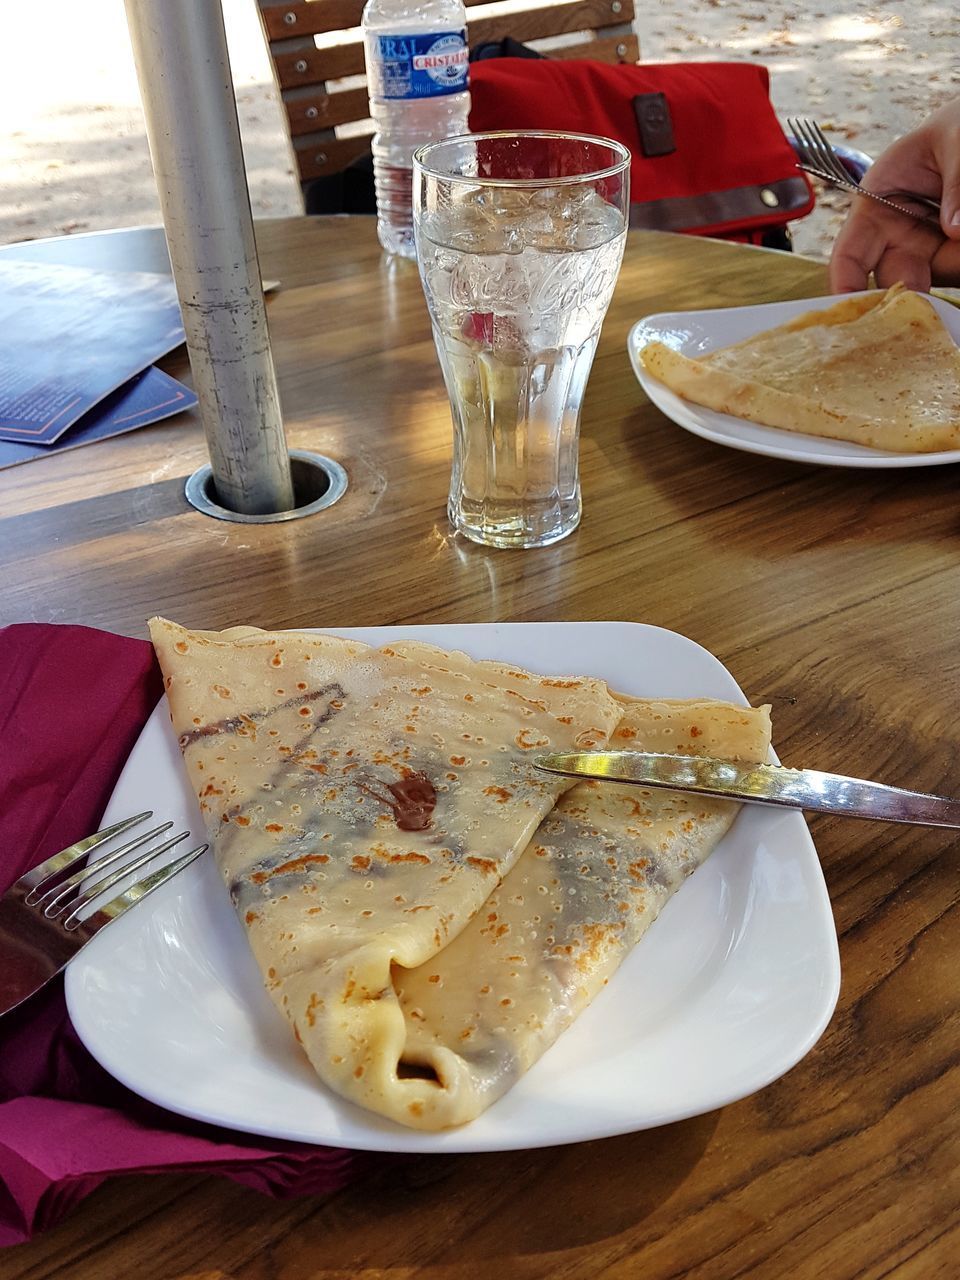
[(816, 153), (60, 894)]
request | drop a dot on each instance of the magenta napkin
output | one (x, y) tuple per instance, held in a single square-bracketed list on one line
[(72, 704)]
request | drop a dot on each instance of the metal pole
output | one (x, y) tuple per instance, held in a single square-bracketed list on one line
[(180, 48)]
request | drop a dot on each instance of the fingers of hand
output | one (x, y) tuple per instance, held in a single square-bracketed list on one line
[(885, 242), (945, 268), (909, 164), (950, 194), (901, 264), (858, 248)]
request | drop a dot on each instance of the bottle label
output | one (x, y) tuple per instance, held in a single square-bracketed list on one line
[(420, 65)]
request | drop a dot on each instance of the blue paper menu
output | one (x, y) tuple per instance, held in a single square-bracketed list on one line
[(70, 336), (148, 397)]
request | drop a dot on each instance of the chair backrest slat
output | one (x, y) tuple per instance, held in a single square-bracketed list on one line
[(313, 44), (283, 19)]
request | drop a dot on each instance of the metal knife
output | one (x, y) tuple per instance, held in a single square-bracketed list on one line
[(759, 784)]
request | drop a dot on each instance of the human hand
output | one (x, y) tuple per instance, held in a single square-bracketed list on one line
[(895, 248), (945, 267)]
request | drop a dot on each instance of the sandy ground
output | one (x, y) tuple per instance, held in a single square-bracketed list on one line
[(73, 152)]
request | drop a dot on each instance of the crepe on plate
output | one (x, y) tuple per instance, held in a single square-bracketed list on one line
[(879, 369), (368, 808)]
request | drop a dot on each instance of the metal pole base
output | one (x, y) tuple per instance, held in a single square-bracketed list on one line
[(318, 482)]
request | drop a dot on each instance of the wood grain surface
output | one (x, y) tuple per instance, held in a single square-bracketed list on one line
[(833, 594)]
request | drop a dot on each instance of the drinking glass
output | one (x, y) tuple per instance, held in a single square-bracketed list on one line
[(519, 241)]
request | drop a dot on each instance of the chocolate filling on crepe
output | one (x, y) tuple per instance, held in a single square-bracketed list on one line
[(880, 370), (362, 804)]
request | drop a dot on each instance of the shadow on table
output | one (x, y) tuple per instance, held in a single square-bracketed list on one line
[(539, 1202), (694, 478)]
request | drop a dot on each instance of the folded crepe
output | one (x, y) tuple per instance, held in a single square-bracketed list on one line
[(422, 913), (362, 804), (879, 370)]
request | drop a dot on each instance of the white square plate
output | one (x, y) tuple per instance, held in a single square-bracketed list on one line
[(694, 333), (732, 985)]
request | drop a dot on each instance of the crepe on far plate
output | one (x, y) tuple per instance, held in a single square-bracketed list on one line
[(878, 369), (423, 911)]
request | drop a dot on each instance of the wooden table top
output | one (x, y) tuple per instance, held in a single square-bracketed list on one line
[(833, 594)]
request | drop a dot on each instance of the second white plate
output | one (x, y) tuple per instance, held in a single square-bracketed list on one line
[(732, 985), (694, 333)]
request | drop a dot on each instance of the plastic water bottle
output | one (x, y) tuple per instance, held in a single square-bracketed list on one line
[(417, 64)]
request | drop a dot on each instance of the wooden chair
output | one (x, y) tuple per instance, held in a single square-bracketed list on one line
[(317, 54)]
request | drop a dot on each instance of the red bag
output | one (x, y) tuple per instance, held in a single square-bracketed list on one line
[(709, 155)]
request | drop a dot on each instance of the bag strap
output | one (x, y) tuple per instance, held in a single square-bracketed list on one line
[(740, 205)]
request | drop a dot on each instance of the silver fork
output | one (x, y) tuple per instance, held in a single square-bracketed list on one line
[(44, 919), (818, 157)]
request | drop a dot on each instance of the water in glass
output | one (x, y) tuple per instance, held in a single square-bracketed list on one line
[(518, 281)]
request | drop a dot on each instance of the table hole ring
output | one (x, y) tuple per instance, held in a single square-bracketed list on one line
[(318, 482)]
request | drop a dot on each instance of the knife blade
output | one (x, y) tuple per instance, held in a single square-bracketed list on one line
[(759, 784), (33, 949)]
